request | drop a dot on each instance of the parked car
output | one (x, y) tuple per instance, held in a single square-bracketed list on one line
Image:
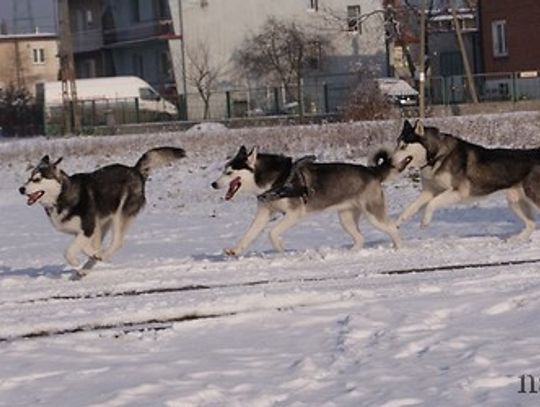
[(128, 97), (402, 94)]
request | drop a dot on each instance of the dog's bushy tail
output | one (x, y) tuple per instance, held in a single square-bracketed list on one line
[(158, 157), (382, 164)]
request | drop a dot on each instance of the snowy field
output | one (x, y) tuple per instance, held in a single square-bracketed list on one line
[(172, 322)]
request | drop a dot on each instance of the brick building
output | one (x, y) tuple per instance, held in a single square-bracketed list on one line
[(509, 31)]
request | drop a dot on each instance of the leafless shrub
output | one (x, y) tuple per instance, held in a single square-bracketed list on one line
[(367, 102)]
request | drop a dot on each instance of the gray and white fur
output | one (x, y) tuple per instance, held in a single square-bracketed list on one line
[(89, 205), (454, 170), (349, 189)]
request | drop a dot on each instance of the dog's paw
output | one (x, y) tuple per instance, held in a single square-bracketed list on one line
[(78, 274), (231, 252)]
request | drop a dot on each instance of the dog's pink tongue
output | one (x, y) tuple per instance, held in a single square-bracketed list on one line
[(32, 198), (234, 185)]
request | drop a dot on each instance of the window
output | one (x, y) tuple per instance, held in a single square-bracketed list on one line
[(148, 94), (354, 22), (135, 11), (38, 56), (138, 65), (162, 10), (314, 55), (88, 69), (314, 5), (164, 64), (89, 18), (498, 33)]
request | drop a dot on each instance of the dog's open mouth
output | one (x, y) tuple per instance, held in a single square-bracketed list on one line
[(404, 163), (234, 186), (34, 197)]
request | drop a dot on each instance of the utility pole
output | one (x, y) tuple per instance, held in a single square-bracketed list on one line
[(422, 70), (184, 107), (70, 106), (466, 65), (19, 75)]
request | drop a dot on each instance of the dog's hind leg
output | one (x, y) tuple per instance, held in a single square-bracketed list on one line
[(524, 210), (349, 222), (384, 224), (262, 217), (289, 220), (411, 210), (119, 224)]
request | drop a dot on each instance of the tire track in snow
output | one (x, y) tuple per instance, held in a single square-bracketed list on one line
[(158, 324), (201, 287)]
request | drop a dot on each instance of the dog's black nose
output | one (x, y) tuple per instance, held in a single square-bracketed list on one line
[(214, 185), (22, 190)]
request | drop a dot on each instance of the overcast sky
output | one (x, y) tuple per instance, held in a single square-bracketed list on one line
[(43, 12)]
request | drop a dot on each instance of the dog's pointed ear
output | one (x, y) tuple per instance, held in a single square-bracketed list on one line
[(419, 128), (58, 161), (252, 157), (45, 160), (407, 129), (242, 153)]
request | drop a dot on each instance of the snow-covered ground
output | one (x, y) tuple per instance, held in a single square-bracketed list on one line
[(171, 321)]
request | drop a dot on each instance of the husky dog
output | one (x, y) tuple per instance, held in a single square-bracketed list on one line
[(88, 205), (453, 170), (349, 189)]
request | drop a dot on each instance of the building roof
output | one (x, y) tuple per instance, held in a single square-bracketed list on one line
[(396, 87), (29, 36)]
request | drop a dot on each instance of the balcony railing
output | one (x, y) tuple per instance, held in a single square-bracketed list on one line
[(139, 32)]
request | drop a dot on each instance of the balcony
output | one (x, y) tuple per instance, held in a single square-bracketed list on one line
[(144, 31), (88, 40)]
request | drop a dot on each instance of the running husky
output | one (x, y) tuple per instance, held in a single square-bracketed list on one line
[(349, 189), (453, 170), (87, 205)]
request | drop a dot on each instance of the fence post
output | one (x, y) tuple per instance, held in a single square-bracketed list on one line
[(182, 107), (228, 100), (94, 113), (514, 87), (137, 111), (325, 97), (276, 101)]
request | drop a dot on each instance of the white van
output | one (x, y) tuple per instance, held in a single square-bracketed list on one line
[(107, 92)]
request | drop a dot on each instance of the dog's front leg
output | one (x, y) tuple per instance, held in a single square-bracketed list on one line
[(262, 217), (447, 198), (290, 219), (411, 210), (79, 244)]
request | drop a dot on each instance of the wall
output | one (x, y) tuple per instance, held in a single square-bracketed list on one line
[(224, 25), (522, 29), (31, 72)]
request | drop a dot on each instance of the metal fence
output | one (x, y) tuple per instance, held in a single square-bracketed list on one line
[(269, 101), (320, 96), (512, 86), (330, 97), (104, 112)]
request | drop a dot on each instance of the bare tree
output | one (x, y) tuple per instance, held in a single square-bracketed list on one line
[(203, 73), (282, 52), (400, 20)]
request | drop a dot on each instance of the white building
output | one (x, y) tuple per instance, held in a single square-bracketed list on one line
[(222, 26)]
